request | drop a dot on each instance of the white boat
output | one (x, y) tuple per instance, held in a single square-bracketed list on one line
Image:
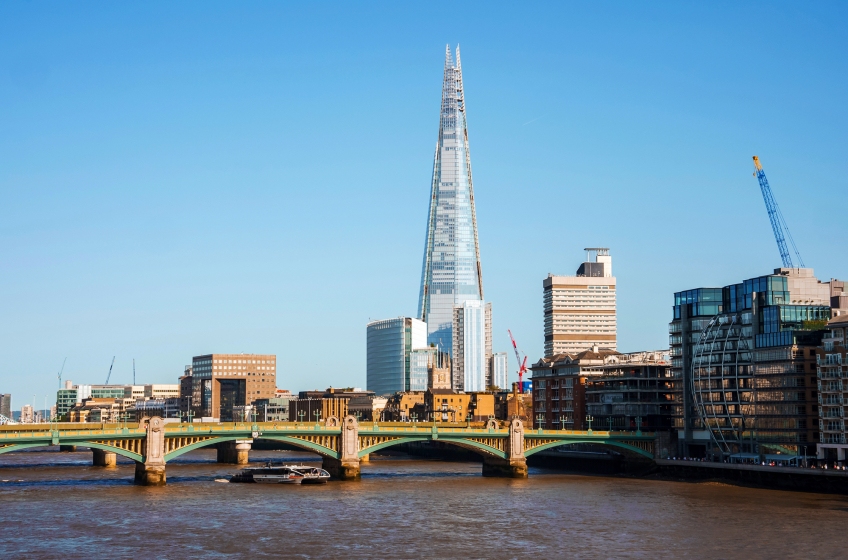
[(282, 474)]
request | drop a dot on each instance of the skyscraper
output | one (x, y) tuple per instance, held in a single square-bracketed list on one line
[(451, 273)]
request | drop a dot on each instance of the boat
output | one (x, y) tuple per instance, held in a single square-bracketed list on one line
[(282, 474)]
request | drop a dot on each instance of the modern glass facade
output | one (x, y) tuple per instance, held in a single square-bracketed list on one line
[(419, 364), (470, 359), (451, 273), (500, 370), (390, 343), (746, 360)]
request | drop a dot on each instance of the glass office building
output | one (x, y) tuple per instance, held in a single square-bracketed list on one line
[(746, 355), (451, 273), (390, 344)]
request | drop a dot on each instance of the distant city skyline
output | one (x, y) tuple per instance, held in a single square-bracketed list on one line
[(253, 180)]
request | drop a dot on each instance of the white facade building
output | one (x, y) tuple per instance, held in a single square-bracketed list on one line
[(472, 346), (390, 343), (580, 310), (500, 370)]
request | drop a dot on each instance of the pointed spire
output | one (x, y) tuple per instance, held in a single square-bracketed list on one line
[(458, 63)]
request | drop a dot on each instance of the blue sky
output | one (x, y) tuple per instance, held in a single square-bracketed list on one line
[(184, 178)]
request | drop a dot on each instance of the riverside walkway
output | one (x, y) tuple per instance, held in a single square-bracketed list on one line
[(151, 443)]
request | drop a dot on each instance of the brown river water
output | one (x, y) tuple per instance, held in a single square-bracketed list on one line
[(56, 505)]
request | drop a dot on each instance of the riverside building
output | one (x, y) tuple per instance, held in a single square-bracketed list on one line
[(390, 343), (580, 309), (559, 388), (635, 391), (451, 273), (746, 355), (832, 380)]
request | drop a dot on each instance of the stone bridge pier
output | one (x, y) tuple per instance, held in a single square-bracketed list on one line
[(151, 471), (346, 467), (103, 458), (515, 464), (234, 452)]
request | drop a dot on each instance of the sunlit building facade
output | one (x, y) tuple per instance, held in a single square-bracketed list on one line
[(746, 355), (451, 273)]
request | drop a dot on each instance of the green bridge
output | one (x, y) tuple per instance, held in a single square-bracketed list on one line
[(342, 444)]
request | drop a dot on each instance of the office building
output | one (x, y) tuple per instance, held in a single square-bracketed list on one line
[(580, 310), (635, 391), (222, 381), (472, 346), (6, 405), (559, 388), (390, 343), (451, 272), (832, 384), (27, 414), (500, 370), (746, 355), (317, 406)]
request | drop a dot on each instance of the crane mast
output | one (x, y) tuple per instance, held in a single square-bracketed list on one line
[(522, 364), (778, 224), (110, 371)]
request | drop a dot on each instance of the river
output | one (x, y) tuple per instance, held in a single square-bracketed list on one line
[(56, 505)]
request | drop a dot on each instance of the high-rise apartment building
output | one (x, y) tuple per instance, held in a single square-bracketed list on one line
[(472, 346), (451, 273), (27, 414), (832, 374), (390, 344), (6, 405), (747, 356), (223, 381), (580, 309), (500, 370)]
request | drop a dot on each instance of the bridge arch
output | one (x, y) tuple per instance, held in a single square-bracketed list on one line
[(294, 441), (468, 444), (89, 444), (610, 443)]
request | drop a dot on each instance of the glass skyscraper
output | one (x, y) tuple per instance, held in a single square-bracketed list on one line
[(451, 273)]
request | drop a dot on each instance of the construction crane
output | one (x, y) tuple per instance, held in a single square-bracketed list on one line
[(61, 370), (778, 224), (110, 371), (133, 371), (522, 364)]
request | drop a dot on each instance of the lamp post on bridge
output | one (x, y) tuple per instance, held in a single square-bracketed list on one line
[(539, 419), (562, 422), (589, 420), (301, 414), (468, 418), (638, 425), (317, 415), (609, 421), (414, 417)]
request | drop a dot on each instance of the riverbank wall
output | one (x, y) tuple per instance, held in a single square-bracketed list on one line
[(759, 476)]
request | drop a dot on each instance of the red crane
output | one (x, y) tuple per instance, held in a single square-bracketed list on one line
[(522, 364)]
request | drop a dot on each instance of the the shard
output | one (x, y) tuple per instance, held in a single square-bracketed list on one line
[(451, 272)]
